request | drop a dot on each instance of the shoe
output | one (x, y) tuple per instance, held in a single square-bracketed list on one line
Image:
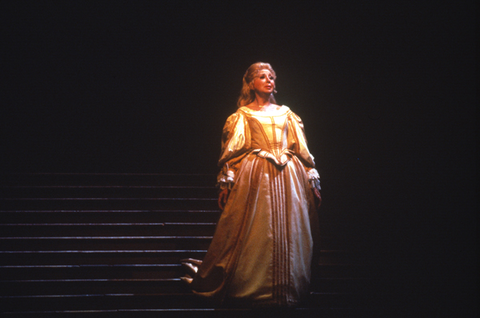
[(190, 268), (193, 261), (186, 280)]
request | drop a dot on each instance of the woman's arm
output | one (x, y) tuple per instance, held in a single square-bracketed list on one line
[(298, 142), (235, 145)]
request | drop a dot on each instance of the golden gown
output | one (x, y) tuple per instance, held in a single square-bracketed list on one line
[(262, 249)]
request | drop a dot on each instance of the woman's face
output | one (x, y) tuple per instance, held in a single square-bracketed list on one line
[(264, 82)]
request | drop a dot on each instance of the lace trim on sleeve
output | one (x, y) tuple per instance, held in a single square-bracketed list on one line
[(314, 179), (226, 179)]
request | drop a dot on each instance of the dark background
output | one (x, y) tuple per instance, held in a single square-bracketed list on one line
[(386, 90)]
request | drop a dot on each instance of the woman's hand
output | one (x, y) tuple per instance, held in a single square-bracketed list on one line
[(222, 198), (318, 197)]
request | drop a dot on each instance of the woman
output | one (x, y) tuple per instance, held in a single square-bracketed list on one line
[(262, 249)]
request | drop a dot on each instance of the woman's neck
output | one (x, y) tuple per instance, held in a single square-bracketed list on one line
[(262, 101)]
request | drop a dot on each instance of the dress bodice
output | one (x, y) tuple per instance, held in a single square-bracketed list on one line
[(269, 131), (276, 135)]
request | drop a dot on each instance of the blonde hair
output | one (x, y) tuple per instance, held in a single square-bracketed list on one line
[(247, 95)]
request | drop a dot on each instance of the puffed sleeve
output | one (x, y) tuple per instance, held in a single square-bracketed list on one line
[(235, 145), (298, 143)]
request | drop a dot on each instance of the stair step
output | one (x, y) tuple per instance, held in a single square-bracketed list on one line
[(101, 301), (105, 243), (99, 244), (301, 312), (61, 257), (199, 238), (105, 229), (76, 179), (145, 301), (24, 287), (109, 271), (107, 215), (107, 203), (17, 192), (30, 274)]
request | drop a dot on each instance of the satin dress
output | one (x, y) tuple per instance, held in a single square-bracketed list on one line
[(262, 249)]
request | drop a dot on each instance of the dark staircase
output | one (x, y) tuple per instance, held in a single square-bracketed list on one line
[(101, 245)]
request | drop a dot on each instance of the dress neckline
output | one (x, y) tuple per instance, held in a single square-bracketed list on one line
[(281, 111)]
